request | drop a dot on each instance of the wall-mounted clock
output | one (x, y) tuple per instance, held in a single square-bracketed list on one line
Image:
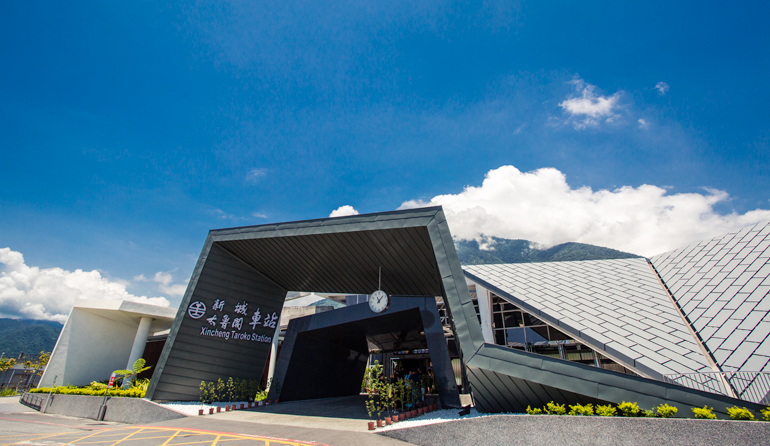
[(379, 301)]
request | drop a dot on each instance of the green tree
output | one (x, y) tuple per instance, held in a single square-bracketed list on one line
[(6, 363), (128, 375)]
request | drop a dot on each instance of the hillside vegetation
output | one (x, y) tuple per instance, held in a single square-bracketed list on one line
[(28, 336), (504, 250)]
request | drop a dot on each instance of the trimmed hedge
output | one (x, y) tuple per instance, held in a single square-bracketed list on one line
[(69, 390)]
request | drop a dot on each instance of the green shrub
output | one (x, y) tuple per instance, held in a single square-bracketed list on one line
[(260, 395), (72, 390), (555, 409), (666, 411), (535, 411), (738, 413), (606, 411), (765, 413), (649, 413), (629, 409), (579, 409), (233, 389), (8, 391), (704, 413)]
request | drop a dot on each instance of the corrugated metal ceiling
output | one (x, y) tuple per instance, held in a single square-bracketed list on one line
[(346, 262)]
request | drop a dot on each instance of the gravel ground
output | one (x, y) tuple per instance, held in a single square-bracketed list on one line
[(549, 430), (191, 407), (439, 416)]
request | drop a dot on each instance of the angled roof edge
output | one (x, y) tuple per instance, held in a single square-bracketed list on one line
[(608, 351), (388, 220)]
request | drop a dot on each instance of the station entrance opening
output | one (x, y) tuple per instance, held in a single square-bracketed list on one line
[(325, 355)]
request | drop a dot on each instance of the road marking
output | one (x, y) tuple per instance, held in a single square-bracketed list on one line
[(87, 436), (126, 438), (21, 435), (132, 433), (33, 439), (58, 424), (171, 437), (244, 436)]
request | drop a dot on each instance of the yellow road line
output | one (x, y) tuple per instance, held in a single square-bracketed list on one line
[(33, 439), (133, 439), (171, 438), (115, 432), (205, 441), (127, 437), (87, 436), (21, 435), (220, 437)]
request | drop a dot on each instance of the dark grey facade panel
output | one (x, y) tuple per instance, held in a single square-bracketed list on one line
[(223, 350), (459, 303), (578, 382)]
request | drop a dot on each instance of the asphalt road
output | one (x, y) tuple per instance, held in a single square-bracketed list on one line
[(20, 425)]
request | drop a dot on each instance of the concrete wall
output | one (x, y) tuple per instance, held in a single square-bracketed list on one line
[(90, 348), (123, 410)]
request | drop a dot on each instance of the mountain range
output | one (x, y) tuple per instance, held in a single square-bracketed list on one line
[(28, 336), (502, 250)]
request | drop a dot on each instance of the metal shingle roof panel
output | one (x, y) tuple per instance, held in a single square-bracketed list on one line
[(615, 300), (725, 313)]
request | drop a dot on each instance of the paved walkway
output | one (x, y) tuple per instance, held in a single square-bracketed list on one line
[(343, 413)]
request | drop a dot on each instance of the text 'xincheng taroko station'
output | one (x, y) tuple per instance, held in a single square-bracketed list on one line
[(509, 336)]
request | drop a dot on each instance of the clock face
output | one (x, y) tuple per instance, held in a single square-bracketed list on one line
[(379, 301)]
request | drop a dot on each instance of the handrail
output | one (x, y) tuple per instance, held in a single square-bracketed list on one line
[(30, 400), (748, 386)]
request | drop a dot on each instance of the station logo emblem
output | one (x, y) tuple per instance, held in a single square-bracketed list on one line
[(196, 310)]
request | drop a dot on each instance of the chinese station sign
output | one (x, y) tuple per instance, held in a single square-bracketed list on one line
[(228, 325)]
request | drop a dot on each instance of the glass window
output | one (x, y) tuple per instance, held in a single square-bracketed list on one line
[(500, 337), (513, 319), (531, 320), (516, 335), (556, 335), (534, 336), (508, 307), (539, 333)]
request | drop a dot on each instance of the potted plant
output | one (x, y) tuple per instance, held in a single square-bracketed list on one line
[(375, 389)]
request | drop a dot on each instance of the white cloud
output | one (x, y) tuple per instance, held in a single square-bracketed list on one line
[(343, 211), (164, 280), (255, 174), (662, 88), (258, 215), (590, 109), (48, 293), (542, 207), (643, 124), (225, 216)]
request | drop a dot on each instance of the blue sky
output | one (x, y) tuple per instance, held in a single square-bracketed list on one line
[(131, 129)]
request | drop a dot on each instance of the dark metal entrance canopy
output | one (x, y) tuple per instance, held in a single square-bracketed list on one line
[(243, 275)]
